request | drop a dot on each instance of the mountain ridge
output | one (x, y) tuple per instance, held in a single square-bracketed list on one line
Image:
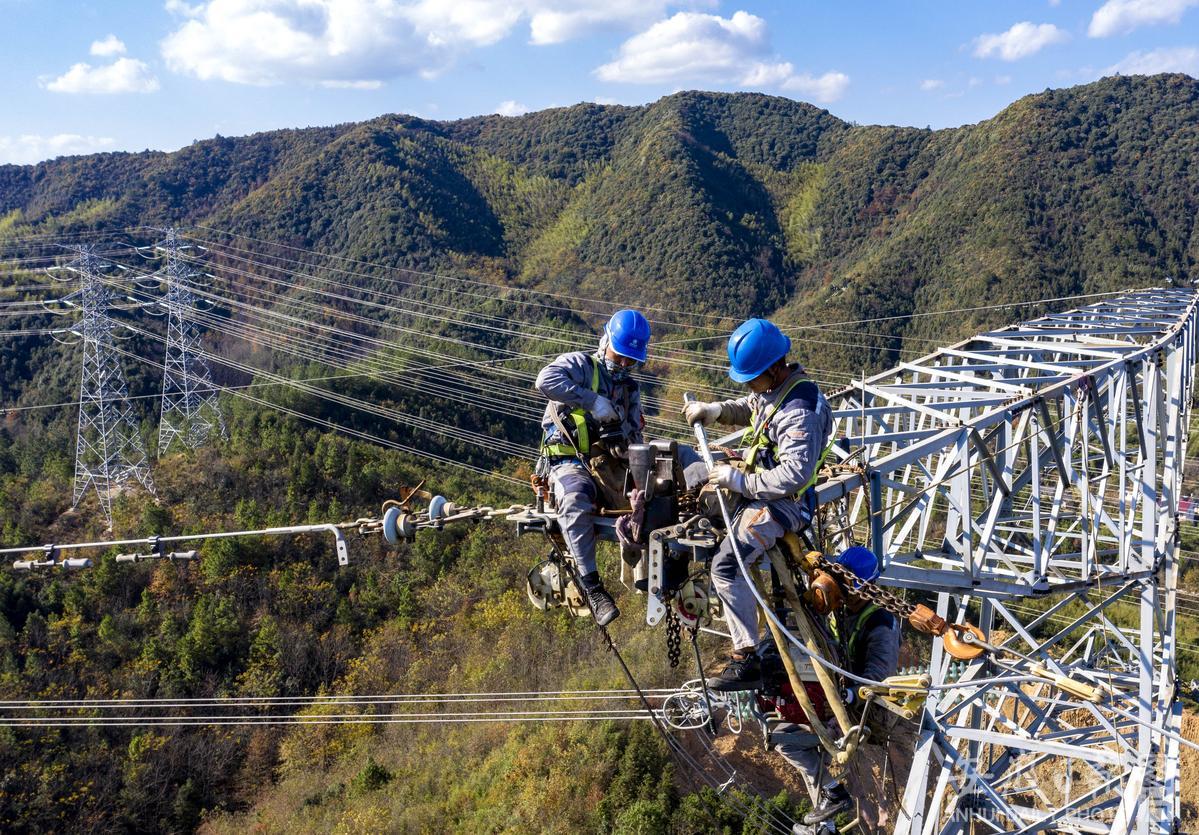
[(728, 203)]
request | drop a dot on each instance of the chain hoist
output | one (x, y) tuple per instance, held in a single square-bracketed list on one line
[(829, 581)]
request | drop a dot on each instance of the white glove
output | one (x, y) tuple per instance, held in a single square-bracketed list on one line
[(699, 412), (730, 478), (603, 410)]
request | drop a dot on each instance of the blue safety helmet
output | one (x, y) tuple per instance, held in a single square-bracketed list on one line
[(754, 347), (628, 334), (861, 561)]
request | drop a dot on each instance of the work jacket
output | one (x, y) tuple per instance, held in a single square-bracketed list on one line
[(568, 381), (871, 639), (795, 435)]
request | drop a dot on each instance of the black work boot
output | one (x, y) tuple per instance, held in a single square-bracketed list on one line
[(603, 607), (833, 802), (743, 672)]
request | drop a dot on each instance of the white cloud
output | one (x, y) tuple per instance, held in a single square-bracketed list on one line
[(125, 75), (930, 84), (690, 47), (1119, 17), (1003, 79), (364, 84), (1020, 41), (30, 148), (562, 21), (512, 108), (108, 47), (276, 41), (1181, 59), (183, 9), (824, 89)]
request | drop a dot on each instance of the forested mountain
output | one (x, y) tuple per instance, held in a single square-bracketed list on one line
[(724, 203), (701, 205)]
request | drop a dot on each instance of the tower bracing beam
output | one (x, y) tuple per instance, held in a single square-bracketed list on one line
[(1029, 477)]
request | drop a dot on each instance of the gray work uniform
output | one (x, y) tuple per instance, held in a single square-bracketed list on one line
[(873, 654), (774, 502), (567, 381)]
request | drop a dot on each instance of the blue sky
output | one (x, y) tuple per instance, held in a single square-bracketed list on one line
[(87, 76)]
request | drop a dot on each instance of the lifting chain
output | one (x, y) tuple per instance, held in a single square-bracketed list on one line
[(881, 597), (673, 637)]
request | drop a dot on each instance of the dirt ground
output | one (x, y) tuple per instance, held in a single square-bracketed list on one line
[(1189, 776), (876, 775)]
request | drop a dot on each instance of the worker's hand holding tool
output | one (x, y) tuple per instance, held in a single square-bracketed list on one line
[(730, 478), (702, 413)]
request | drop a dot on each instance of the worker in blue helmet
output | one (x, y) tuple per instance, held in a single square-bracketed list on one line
[(869, 638), (788, 426), (593, 415)]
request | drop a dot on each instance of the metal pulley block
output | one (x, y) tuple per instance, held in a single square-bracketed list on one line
[(823, 593), (548, 588), (692, 603), (544, 585)]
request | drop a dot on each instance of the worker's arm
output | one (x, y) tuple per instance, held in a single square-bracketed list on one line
[(568, 380), (881, 641), (801, 435), (735, 412)]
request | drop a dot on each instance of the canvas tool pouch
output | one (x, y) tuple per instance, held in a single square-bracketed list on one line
[(610, 473)]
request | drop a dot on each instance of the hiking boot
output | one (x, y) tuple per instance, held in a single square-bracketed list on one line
[(743, 672), (603, 607), (833, 802)]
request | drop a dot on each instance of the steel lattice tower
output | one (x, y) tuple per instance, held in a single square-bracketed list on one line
[(1029, 479), (190, 411), (108, 449)]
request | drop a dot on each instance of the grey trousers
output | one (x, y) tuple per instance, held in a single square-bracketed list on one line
[(574, 495), (756, 528), (807, 757)]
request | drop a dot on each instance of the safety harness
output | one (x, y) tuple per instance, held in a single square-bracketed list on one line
[(855, 630), (578, 444), (755, 439)]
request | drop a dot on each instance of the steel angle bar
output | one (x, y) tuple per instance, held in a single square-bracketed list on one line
[(1059, 347), (905, 403), (1035, 743), (983, 385), (1045, 820)]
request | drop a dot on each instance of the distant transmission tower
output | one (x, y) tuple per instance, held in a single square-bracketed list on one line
[(108, 449), (190, 411)]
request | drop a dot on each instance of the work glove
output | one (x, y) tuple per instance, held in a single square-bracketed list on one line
[(730, 478), (603, 410), (698, 412)]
